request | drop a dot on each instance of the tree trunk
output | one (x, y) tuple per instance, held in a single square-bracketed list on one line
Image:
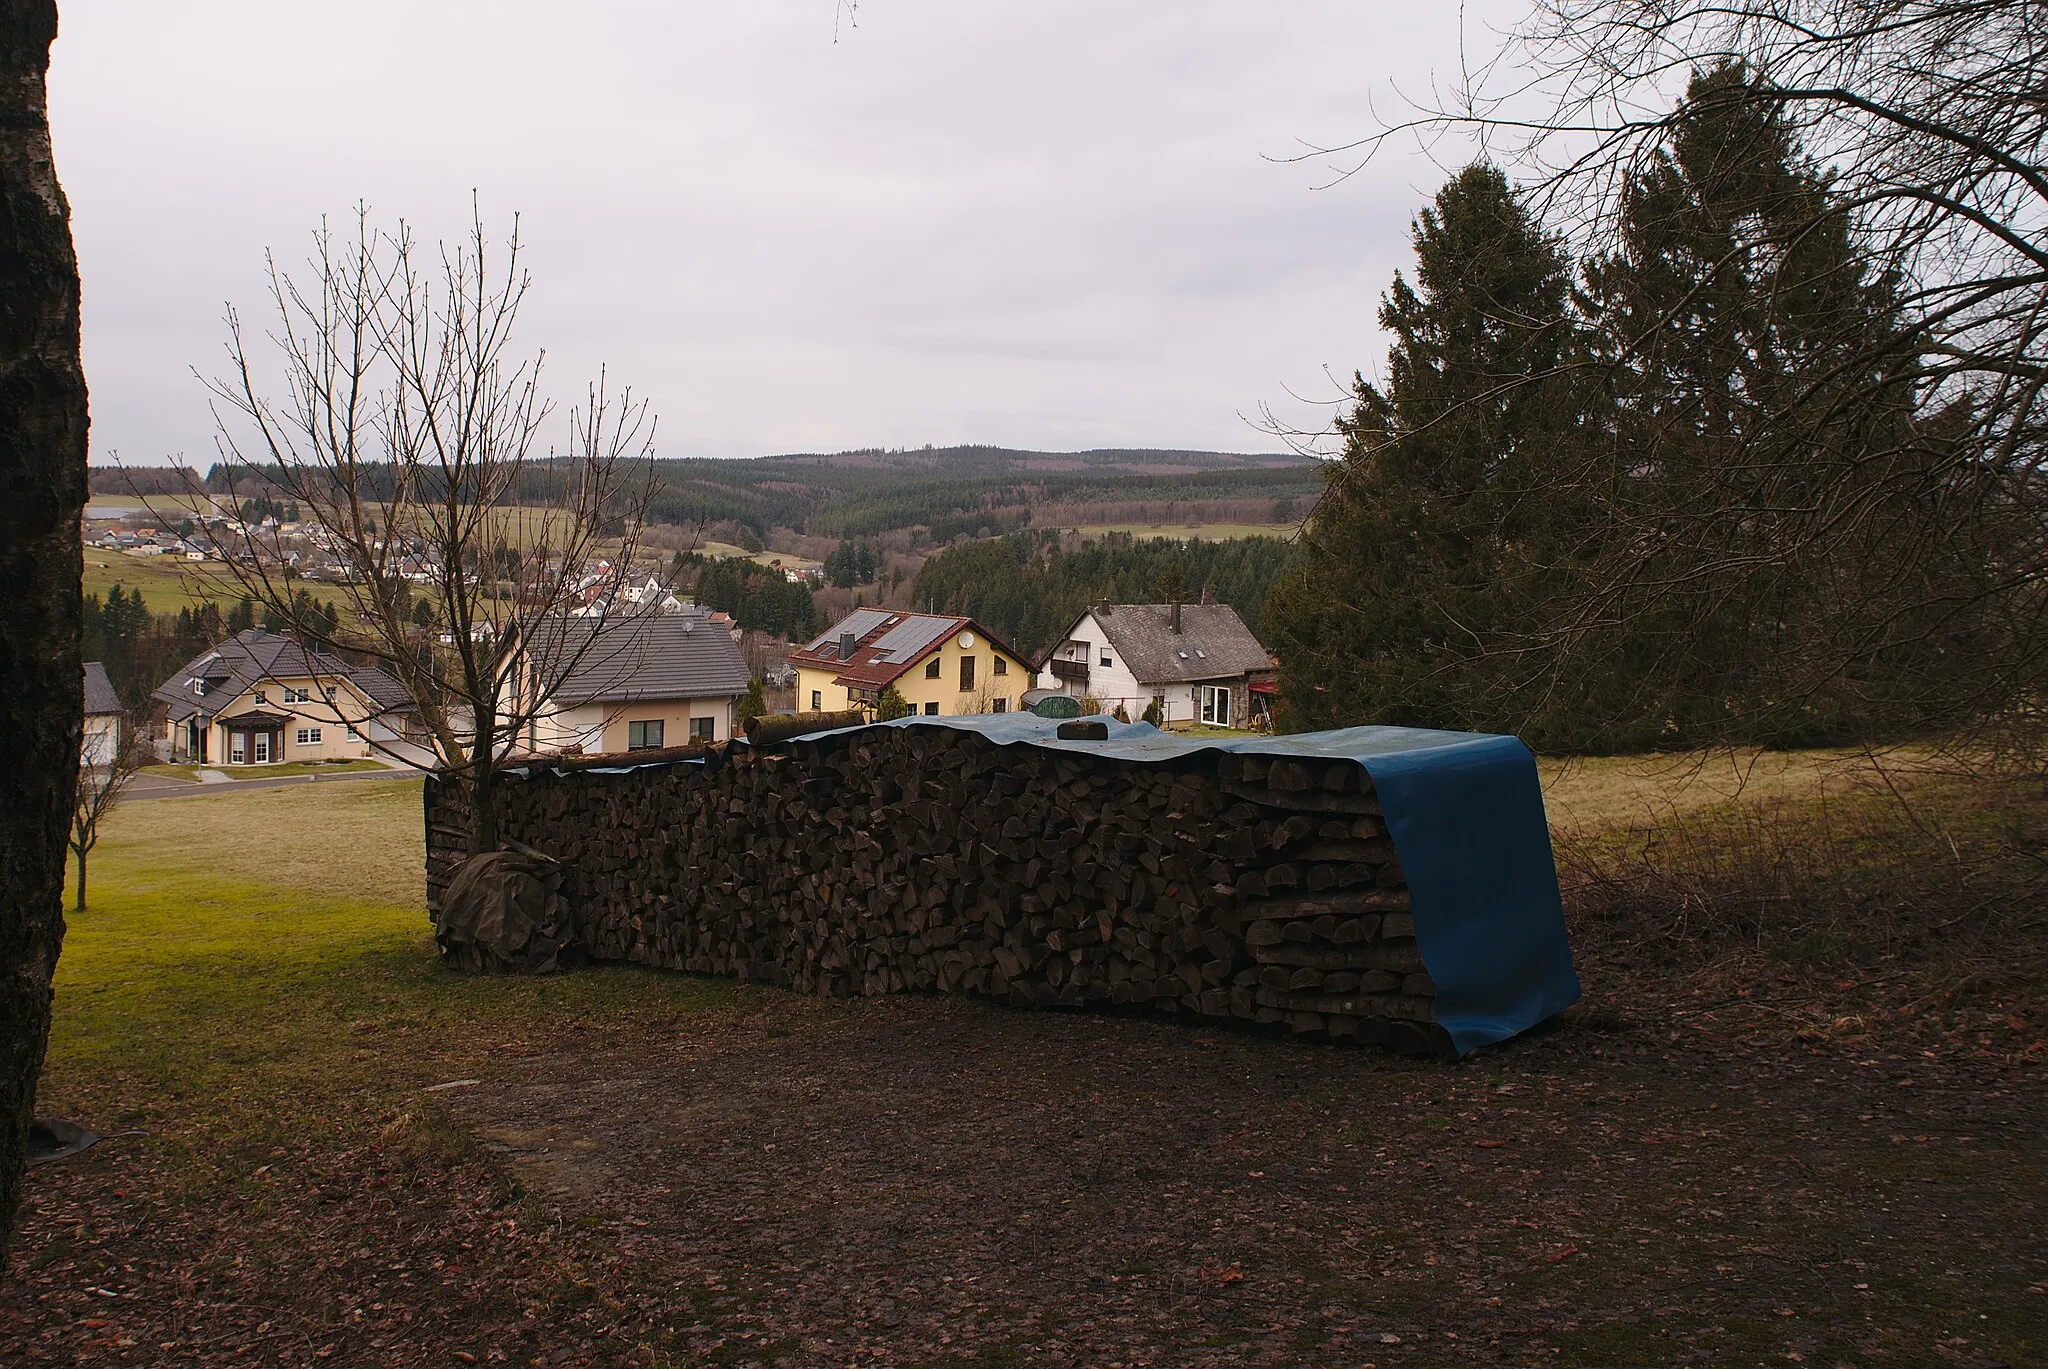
[(42, 489), (483, 806), (78, 905)]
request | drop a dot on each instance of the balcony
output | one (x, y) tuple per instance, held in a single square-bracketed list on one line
[(1073, 672)]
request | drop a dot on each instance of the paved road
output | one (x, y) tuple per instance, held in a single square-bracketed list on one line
[(164, 787)]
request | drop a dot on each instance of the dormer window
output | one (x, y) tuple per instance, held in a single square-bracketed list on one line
[(199, 685)]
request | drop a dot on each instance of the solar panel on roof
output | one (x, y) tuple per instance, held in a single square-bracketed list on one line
[(860, 623), (911, 636)]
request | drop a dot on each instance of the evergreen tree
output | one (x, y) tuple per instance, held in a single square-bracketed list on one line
[(1440, 531), (1744, 330), (753, 705)]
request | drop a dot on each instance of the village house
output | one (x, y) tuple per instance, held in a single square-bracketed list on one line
[(261, 698), (941, 665), (101, 740), (636, 683), (1198, 660)]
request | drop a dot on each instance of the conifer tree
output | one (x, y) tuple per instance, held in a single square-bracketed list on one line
[(1743, 328), (1438, 533)]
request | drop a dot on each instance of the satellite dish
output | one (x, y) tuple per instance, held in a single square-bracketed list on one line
[(967, 641)]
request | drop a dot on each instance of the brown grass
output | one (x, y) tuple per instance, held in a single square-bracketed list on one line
[(1826, 893)]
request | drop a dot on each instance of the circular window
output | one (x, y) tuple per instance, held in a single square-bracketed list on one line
[(967, 641)]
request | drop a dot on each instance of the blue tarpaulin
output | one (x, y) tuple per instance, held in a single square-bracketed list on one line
[(1465, 810)]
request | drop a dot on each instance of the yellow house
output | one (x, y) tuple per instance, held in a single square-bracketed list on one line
[(260, 698), (943, 666)]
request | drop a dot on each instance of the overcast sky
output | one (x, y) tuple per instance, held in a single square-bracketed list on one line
[(1052, 225)]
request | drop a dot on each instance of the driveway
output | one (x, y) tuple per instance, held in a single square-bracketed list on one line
[(168, 787)]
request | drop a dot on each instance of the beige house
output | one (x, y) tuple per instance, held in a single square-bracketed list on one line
[(636, 683), (261, 698)]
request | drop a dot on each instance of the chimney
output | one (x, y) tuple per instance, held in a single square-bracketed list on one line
[(1173, 618), (846, 641)]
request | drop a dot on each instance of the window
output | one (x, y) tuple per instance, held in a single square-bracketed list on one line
[(817, 700), (931, 710), (294, 696), (999, 705), (329, 692), (307, 736), (966, 673), (261, 697), (1000, 667), (931, 669), (1215, 702), (236, 754), (702, 730), (643, 736), (1105, 655), (261, 742)]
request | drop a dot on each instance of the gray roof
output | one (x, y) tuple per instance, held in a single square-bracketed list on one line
[(642, 657), (100, 697), (254, 655), (1213, 642)]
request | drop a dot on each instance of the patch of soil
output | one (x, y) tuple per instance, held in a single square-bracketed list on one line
[(942, 1182)]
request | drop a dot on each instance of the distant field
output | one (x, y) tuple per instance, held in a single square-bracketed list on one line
[(166, 583), (791, 559), (1203, 532)]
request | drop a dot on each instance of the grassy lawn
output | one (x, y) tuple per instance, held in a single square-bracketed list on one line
[(1208, 731), (290, 769), (166, 583), (644, 1168), (283, 770)]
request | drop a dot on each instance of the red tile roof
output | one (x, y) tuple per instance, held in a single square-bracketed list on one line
[(915, 636)]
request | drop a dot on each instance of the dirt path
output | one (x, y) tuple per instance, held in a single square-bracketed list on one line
[(918, 1181)]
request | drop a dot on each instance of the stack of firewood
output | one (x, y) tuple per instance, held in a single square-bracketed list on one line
[(930, 859)]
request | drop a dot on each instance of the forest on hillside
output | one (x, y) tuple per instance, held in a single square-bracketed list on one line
[(937, 494), (1027, 589)]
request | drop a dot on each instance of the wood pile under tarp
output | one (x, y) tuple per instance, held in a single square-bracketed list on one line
[(907, 857)]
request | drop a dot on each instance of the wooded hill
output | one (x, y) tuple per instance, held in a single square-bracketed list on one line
[(939, 492), (1028, 589)]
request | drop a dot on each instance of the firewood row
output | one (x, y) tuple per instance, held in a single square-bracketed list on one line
[(929, 859)]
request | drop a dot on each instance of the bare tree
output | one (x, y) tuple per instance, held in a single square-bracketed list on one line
[(101, 785), (1928, 117), (42, 489), (408, 434)]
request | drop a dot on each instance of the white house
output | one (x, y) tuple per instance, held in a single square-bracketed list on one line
[(101, 740), (1198, 660)]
